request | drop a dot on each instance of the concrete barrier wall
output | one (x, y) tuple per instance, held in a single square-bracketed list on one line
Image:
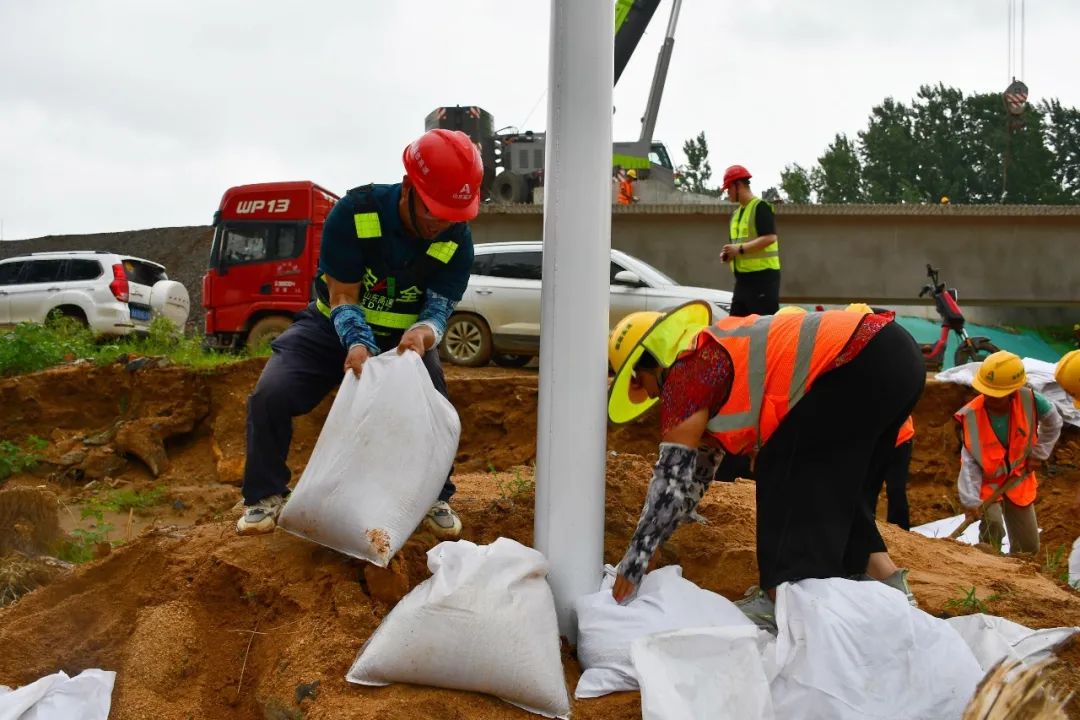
[(1015, 264)]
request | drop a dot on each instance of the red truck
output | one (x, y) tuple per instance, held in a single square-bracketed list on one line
[(263, 260)]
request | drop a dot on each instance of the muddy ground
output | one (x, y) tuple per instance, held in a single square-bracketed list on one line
[(200, 623)]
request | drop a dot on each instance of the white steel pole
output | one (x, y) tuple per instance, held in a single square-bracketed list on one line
[(572, 416)]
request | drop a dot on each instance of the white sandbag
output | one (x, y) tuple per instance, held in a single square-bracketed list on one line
[(993, 638), (664, 601), (380, 462), (484, 621), (1074, 564), (713, 673), (87, 696), (944, 527), (857, 650)]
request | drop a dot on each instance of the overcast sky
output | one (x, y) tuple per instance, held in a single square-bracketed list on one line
[(126, 114)]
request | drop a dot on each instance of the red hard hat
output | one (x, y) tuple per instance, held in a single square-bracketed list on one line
[(733, 173), (445, 168)]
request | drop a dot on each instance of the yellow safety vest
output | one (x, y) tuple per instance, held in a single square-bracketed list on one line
[(744, 228)]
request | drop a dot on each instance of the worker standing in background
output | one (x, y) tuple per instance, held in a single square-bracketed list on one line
[(778, 388), (626, 188), (753, 250), (393, 263), (895, 474), (1008, 432)]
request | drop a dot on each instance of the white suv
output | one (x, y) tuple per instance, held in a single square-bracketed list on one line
[(112, 294), (499, 316)]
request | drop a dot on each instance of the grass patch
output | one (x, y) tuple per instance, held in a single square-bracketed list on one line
[(514, 487), (122, 500), (15, 458), (969, 602), (82, 547), (29, 347), (1056, 563), (83, 544)]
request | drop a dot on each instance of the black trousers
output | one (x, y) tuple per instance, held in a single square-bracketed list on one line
[(817, 471), (306, 365), (756, 293), (896, 478)]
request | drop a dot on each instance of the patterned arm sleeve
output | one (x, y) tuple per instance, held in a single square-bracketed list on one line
[(673, 494), (436, 313)]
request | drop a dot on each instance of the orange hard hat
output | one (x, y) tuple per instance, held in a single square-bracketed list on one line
[(445, 168), (733, 173)]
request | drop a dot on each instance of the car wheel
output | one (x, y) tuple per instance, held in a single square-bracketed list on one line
[(71, 312), (511, 361), (265, 330), (467, 341)]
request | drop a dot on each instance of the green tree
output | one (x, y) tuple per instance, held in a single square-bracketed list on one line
[(887, 150), (838, 175), (795, 182), (1062, 135), (697, 170)]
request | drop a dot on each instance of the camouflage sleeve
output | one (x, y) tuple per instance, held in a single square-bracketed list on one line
[(673, 494)]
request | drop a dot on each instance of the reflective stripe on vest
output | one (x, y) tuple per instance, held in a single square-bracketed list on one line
[(776, 360), (744, 228), (442, 251), (381, 318), (1000, 462), (367, 225)]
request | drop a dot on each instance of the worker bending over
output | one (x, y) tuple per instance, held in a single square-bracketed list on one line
[(779, 388)]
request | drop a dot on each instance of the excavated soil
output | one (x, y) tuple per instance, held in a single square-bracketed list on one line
[(200, 623)]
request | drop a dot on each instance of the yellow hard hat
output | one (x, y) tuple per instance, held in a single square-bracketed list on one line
[(626, 335), (860, 308), (944, 199), (1067, 375), (791, 310), (664, 336), (631, 173), (1000, 374)]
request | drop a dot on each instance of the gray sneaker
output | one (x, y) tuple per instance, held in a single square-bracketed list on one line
[(757, 606), (443, 521), (260, 517), (898, 581)]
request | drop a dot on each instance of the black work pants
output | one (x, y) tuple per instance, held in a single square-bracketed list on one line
[(816, 472), (756, 293), (896, 478), (306, 365)]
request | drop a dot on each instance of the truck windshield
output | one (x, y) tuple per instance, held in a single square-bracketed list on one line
[(241, 243)]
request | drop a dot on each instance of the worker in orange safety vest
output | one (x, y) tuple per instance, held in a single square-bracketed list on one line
[(774, 387), (626, 188), (1009, 430)]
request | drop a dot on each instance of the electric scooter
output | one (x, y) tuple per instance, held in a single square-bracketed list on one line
[(969, 349)]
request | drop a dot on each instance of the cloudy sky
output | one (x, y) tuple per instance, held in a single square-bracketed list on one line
[(125, 114)]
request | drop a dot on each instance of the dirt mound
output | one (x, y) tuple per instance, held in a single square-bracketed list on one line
[(201, 623), (29, 521)]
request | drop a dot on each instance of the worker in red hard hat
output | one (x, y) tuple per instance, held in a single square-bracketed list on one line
[(394, 261), (753, 250)]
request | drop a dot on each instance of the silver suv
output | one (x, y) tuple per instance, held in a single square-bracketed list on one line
[(499, 316), (112, 294)]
